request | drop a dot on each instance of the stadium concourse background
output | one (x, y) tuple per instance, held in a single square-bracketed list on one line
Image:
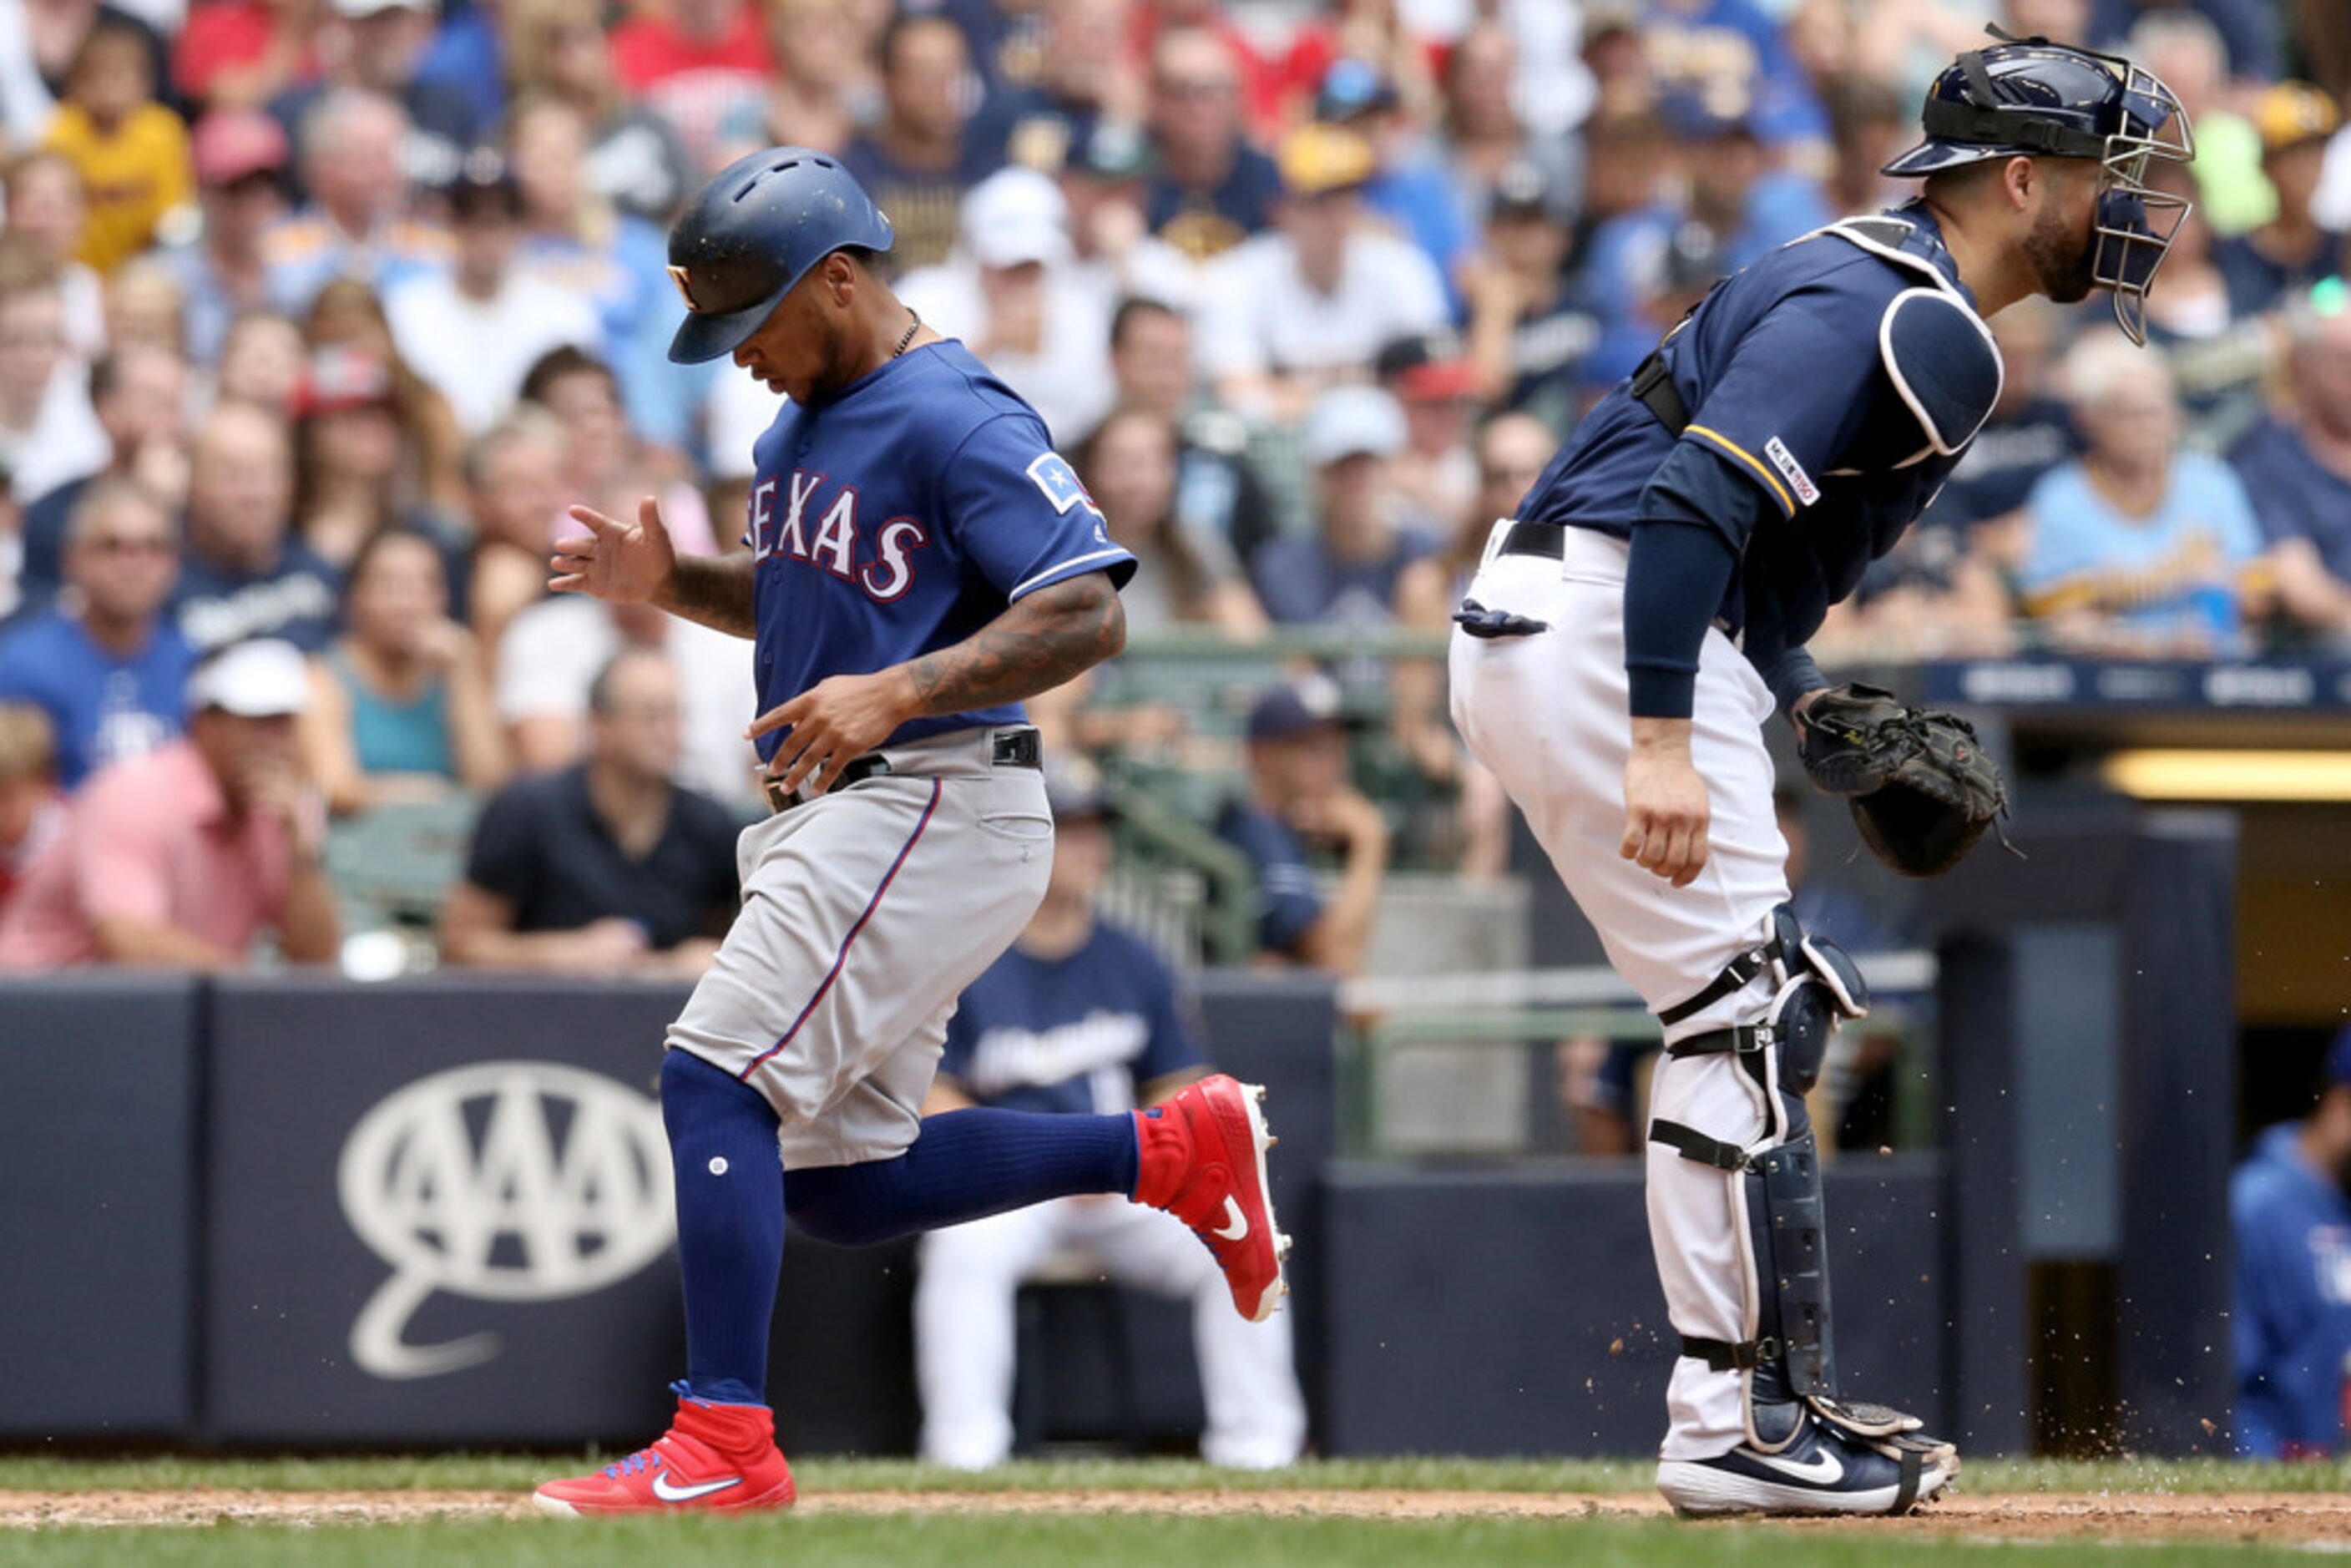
[(314, 316)]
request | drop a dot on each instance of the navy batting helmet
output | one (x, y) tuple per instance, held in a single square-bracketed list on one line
[(756, 230), (2029, 97)]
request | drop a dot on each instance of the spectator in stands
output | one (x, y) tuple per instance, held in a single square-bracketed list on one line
[(358, 468), (1410, 188), (1117, 257), (261, 361), (1871, 124), (1346, 569), (106, 665), (1189, 576), (378, 45), (2291, 1323), (141, 397), (2248, 29), (400, 705), (49, 436), (1511, 451), (145, 307), (240, 54), (18, 596), (1218, 488), (2029, 431), (1211, 189), (46, 212), (2137, 547), (243, 573), (606, 867), (346, 314), (2220, 362), (2296, 466), (2293, 250), (824, 87), (1301, 800), (1432, 379), (1289, 312), (182, 858), (357, 224), (32, 809), (1527, 335), (1009, 291), (603, 463), (473, 331), (573, 238), (546, 672), (1483, 136), (2181, 49), (1730, 52), (918, 158), (130, 151), (559, 50), (695, 63), (515, 483), (1080, 1017), (1087, 73)]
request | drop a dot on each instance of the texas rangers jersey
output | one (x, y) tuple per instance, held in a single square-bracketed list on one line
[(1080, 1033), (1831, 388), (901, 516)]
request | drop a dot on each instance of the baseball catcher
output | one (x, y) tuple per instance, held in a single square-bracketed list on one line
[(1646, 611)]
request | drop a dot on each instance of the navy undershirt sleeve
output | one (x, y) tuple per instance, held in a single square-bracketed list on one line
[(1673, 585), (1789, 676)]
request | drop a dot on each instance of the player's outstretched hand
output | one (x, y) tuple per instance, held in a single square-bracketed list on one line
[(626, 563), (1666, 811), (832, 724)]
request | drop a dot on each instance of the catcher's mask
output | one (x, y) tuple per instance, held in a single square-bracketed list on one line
[(2031, 98)]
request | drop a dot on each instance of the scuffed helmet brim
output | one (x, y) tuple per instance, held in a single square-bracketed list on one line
[(700, 338)]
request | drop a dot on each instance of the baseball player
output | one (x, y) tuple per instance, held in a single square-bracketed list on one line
[(1079, 1016), (921, 559), (1627, 634)]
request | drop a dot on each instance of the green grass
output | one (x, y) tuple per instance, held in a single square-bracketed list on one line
[(495, 1472), (1080, 1542)]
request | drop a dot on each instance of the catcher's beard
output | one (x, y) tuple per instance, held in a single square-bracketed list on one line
[(2063, 256)]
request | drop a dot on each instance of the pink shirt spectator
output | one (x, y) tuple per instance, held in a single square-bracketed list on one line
[(149, 839)]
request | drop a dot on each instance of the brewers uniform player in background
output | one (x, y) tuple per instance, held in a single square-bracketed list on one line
[(1629, 633), (1077, 1017), (921, 559)]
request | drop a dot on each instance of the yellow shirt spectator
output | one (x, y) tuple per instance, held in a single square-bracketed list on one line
[(130, 177)]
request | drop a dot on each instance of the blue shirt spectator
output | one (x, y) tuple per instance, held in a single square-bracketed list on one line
[(1731, 52), (2298, 472), (1347, 569), (2292, 1322), (110, 672)]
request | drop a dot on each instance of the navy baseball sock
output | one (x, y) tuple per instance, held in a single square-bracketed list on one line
[(730, 1225), (967, 1165)]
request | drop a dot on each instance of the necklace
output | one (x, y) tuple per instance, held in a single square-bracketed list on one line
[(913, 325)]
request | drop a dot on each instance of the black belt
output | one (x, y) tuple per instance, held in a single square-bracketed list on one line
[(1009, 748), (1546, 539)]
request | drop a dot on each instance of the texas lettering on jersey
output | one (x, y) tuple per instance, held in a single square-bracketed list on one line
[(816, 522)]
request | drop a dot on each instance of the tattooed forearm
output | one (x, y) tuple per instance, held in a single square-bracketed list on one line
[(716, 592), (1046, 639)]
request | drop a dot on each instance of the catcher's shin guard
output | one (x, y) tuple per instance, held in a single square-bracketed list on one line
[(1786, 1355)]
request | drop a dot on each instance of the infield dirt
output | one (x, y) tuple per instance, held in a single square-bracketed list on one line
[(2274, 1519)]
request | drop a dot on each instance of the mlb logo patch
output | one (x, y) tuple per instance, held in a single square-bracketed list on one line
[(1060, 483), (1793, 471)]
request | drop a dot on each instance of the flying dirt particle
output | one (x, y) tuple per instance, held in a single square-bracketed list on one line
[(1616, 1346)]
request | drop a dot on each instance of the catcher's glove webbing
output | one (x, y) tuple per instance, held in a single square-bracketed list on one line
[(1921, 789)]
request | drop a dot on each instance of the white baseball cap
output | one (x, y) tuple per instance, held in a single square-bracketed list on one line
[(1350, 421), (264, 678), (1016, 215)]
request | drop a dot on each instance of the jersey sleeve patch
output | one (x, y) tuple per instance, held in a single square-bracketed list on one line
[(1053, 475), (1943, 363)]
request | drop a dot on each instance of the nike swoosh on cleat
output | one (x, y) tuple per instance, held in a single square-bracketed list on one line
[(1238, 1225), (1826, 1469), (668, 1493)]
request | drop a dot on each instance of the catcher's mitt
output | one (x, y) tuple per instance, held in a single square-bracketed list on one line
[(1921, 789)]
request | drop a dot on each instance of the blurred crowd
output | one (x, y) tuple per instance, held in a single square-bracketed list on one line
[(314, 314)]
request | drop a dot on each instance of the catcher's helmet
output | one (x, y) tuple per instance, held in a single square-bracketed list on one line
[(2031, 98), (752, 233)]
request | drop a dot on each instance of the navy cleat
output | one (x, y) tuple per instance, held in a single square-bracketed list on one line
[(1823, 1469)]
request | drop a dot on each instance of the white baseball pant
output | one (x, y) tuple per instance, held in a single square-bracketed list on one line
[(964, 1339), (1548, 716)]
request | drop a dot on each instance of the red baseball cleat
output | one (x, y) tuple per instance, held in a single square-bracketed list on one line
[(1202, 1153), (715, 1459)]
